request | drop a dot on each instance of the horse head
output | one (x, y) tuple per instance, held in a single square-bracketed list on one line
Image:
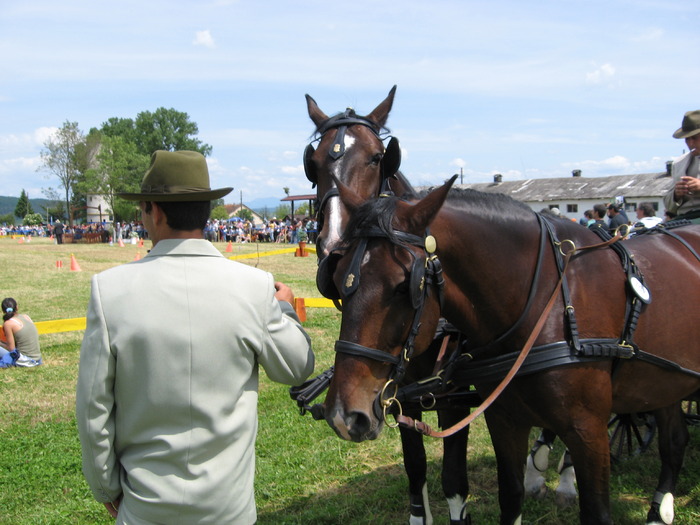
[(389, 280), (349, 148)]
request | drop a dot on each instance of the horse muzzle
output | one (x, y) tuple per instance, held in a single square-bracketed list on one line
[(353, 425)]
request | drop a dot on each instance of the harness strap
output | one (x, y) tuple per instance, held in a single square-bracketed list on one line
[(424, 429), (355, 349)]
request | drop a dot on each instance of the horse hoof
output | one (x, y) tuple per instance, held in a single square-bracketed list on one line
[(466, 520), (565, 499), (536, 489)]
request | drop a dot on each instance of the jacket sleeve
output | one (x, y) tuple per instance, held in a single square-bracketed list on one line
[(95, 405), (286, 354)]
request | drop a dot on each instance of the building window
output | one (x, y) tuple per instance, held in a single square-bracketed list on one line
[(572, 208)]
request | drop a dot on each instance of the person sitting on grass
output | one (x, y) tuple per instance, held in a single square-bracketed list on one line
[(20, 346)]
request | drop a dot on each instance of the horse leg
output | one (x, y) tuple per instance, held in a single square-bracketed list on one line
[(510, 446), (455, 482), (566, 490), (416, 466), (590, 452), (673, 438), (537, 463)]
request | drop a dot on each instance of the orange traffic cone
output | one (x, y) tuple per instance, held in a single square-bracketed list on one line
[(74, 267), (229, 247), (137, 257), (121, 243), (59, 264), (21, 240), (140, 243)]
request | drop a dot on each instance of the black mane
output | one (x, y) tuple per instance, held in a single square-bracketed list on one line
[(378, 213), (374, 214)]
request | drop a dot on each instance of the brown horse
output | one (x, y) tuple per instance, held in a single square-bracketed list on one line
[(493, 268), (350, 149)]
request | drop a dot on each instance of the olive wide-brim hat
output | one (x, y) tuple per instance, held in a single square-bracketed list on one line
[(690, 125), (176, 176)]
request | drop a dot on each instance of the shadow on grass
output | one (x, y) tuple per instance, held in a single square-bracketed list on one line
[(381, 496)]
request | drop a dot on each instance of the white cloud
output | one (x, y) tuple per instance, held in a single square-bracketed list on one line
[(601, 75), (204, 38)]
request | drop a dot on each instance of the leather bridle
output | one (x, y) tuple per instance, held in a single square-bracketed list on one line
[(425, 273)]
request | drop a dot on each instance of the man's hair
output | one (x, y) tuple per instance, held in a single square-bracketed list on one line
[(185, 216), (599, 209), (647, 209)]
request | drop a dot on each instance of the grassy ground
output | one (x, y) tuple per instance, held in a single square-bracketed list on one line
[(305, 474)]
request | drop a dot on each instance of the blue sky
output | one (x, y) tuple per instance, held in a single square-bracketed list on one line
[(526, 89)]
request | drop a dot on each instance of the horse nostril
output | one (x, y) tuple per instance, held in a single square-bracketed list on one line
[(358, 425)]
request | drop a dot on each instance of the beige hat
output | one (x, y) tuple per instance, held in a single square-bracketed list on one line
[(690, 126), (176, 176)]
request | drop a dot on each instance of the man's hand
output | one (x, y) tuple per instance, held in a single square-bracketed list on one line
[(686, 186), (284, 293), (113, 507)]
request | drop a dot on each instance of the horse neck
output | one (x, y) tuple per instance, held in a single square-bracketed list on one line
[(488, 265)]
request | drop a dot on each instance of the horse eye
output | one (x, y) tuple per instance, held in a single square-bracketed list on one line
[(376, 159)]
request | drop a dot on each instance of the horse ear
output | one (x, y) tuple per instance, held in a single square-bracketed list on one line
[(381, 112), (309, 166), (422, 213), (348, 197), (392, 158), (317, 116)]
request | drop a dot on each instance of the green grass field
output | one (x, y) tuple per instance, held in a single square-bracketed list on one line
[(305, 474)]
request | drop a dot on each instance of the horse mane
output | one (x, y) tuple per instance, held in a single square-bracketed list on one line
[(409, 192), (379, 212), (494, 206), (372, 214)]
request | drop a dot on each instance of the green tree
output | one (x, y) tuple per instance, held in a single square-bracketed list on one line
[(167, 129), (32, 219), (282, 210), (23, 206), (120, 127), (8, 218), (119, 168), (59, 157), (54, 208), (219, 213), (245, 214)]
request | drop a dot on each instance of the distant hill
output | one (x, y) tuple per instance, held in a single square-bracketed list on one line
[(8, 205)]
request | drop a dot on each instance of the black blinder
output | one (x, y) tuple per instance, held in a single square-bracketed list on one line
[(324, 277), (309, 166), (417, 283), (392, 158)]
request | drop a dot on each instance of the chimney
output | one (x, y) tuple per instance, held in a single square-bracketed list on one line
[(669, 164), (497, 178), (576, 173)]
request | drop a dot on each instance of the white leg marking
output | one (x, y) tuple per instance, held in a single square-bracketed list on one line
[(426, 503), (418, 520), (456, 505), (566, 491), (666, 508)]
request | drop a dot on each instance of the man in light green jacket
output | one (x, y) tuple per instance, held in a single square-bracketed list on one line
[(167, 388)]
